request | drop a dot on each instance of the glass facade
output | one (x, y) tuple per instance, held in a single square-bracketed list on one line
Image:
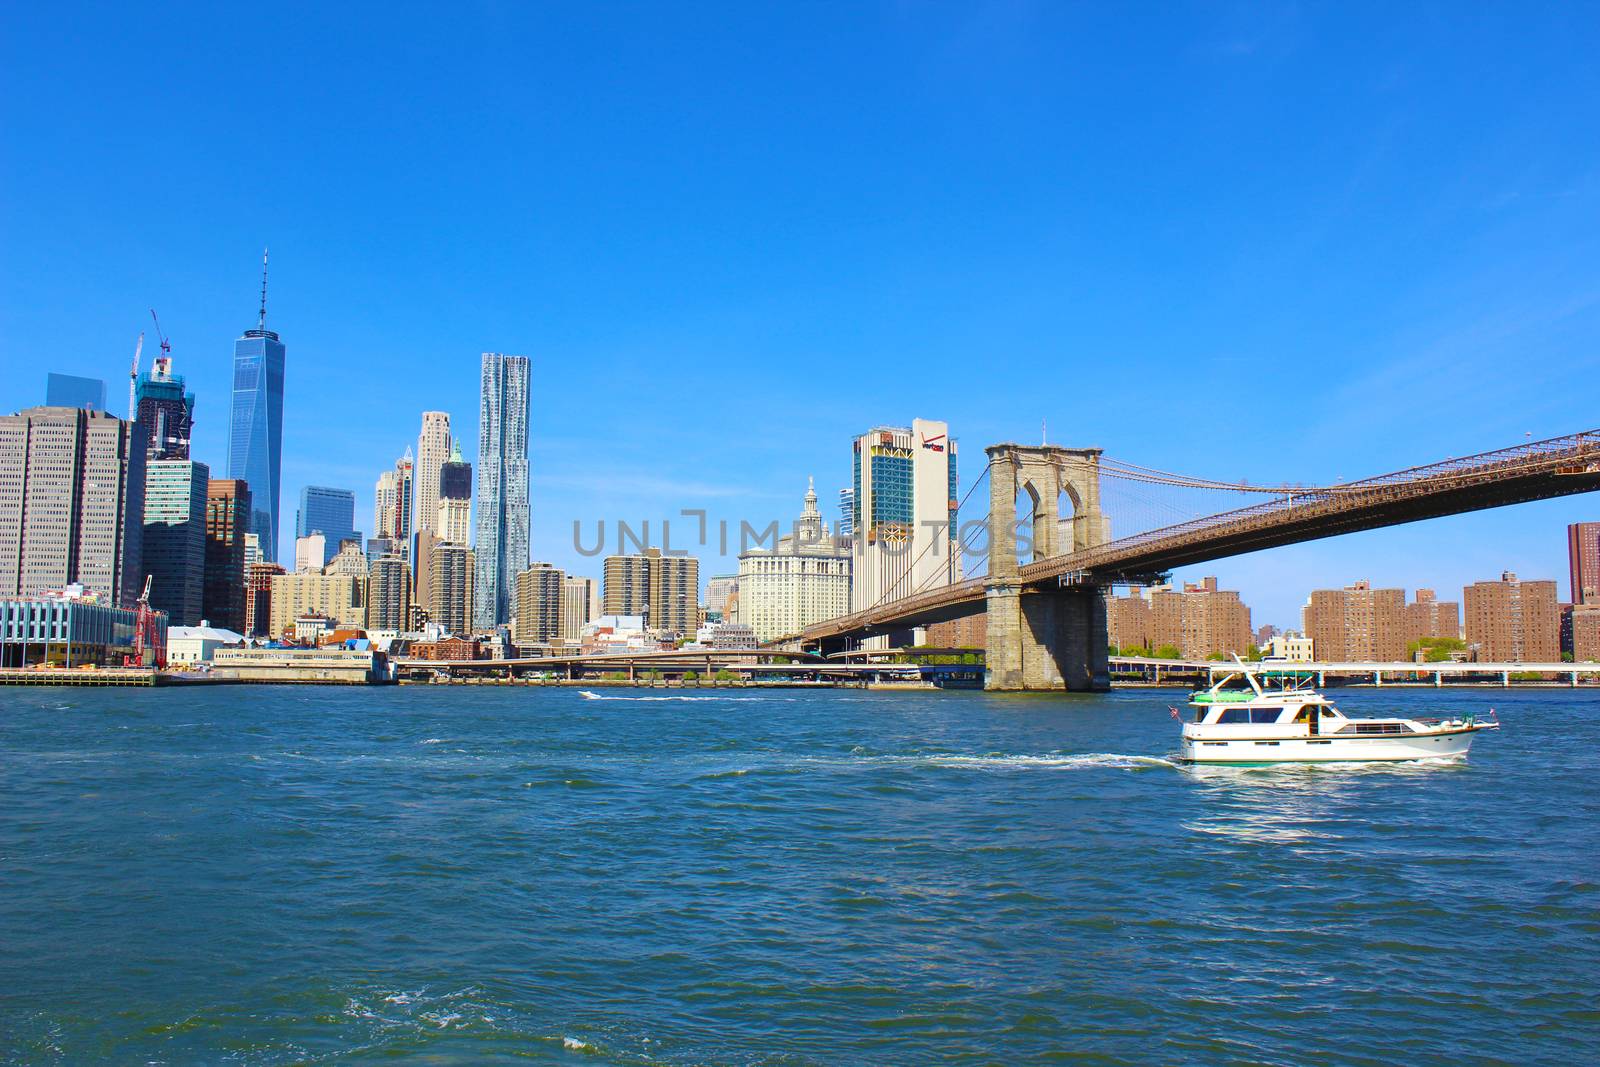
[(502, 525), (255, 439), (330, 512), (71, 391)]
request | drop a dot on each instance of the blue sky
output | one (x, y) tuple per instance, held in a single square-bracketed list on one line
[(1273, 242)]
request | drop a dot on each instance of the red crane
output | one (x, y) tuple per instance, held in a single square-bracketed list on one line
[(145, 635)]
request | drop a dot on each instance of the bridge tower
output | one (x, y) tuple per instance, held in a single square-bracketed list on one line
[(1050, 638)]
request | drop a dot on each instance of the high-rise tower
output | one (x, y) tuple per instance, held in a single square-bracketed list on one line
[(433, 451), (453, 518), (502, 544), (165, 412), (904, 513), (255, 434)]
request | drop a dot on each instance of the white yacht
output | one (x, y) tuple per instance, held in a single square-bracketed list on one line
[(1296, 724)]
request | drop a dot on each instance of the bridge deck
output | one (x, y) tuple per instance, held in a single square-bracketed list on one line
[(1535, 471)]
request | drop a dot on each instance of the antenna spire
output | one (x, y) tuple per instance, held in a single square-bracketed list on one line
[(263, 323)]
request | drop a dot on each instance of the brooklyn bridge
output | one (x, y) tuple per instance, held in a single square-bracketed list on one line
[(1046, 615)]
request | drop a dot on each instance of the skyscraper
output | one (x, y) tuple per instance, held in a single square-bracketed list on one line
[(904, 513), (449, 600), (175, 536), (1583, 556), (404, 478), (385, 495), (452, 521), (255, 433), (71, 391), (71, 503), (328, 511), (433, 451), (664, 589), (165, 413), (227, 509), (502, 544), (388, 594), (539, 604)]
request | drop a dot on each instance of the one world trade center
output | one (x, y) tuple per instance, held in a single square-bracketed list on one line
[(255, 436)]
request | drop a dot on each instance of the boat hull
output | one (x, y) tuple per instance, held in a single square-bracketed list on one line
[(1359, 749)]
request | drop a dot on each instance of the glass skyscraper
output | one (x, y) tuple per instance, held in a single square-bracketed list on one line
[(71, 391), (502, 541), (255, 437), (330, 512)]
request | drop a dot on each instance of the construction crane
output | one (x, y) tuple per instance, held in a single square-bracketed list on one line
[(166, 346), (144, 633), (133, 378)]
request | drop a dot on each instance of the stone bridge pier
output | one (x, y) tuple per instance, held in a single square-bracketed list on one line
[(1052, 638)]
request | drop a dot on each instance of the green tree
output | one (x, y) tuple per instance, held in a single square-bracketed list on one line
[(1566, 657), (690, 676), (725, 675), (1253, 653), (1169, 652)]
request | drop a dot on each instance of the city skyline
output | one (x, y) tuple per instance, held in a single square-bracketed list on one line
[(1429, 247)]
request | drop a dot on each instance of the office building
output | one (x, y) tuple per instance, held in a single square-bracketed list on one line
[(805, 579), (1427, 616), (1198, 620), (341, 598), (258, 577), (165, 412), (904, 515), (580, 605), (1583, 557), (449, 587), (71, 391), (433, 452), (385, 510), (328, 511), (404, 484), (538, 605), (389, 594), (663, 589), (453, 517), (227, 512), (502, 542), (721, 593), (252, 545), (255, 429), (310, 552), (1356, 624), (1513, 621), (175, 537), (847, 512), (71, 504)]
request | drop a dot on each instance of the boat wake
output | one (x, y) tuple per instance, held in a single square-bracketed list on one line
[(588, 695)]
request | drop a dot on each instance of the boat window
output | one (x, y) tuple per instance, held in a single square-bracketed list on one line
[(1303, 715), (1265, 714), (1235, 715)]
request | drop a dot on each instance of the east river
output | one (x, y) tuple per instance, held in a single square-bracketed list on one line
[(284, 875)]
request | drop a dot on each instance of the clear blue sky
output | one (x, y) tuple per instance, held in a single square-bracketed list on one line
[(1276, 242)]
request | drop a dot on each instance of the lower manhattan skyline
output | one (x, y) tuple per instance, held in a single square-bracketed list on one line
[(1333, 284), (727, 534)]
